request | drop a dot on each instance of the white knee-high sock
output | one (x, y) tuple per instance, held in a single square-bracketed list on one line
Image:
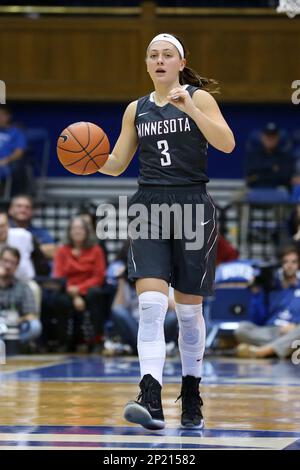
[(191, 339), (153, 307)]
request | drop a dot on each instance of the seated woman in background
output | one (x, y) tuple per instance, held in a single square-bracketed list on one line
[(81, 262)]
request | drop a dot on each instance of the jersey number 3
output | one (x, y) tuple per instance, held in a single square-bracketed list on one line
[(164, 147)]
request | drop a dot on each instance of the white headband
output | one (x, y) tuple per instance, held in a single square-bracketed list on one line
[(171, 39)]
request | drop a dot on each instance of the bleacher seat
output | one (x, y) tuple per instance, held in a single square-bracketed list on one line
[(231, 299), (264, 218), (268, 196)]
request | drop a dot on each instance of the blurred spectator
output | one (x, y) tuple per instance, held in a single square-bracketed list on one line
[(17, 305), (81, 262), (22, 240), (12, 149), (268, 163), (225, 251), (278, 311), (21, 212)]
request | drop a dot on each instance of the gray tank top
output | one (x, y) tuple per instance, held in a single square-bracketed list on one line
[(172, 149)]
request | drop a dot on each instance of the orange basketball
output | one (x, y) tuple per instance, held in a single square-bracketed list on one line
[(83, 148)]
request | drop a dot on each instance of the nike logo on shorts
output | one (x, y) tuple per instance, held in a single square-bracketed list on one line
[(204, 223)]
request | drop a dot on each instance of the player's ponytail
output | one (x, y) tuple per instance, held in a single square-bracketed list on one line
[(189, 76)]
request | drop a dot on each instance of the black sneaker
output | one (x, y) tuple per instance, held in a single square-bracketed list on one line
[(191, 416), (147, 411)]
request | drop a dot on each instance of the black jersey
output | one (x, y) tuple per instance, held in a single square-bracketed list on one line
[(172, 149)]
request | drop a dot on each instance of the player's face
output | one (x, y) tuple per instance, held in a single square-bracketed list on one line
[(164, 62), (290, 264)]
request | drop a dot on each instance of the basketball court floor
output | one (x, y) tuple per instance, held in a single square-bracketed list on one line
[(76, 402)]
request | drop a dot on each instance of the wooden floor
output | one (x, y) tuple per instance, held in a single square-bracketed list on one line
[(76, 402)]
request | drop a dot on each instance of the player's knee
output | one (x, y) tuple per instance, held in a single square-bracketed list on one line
[(191, 321), (191, 337), (189, 328), (151, 323), (153, 308)]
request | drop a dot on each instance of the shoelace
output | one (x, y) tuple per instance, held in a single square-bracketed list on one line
[(148, 395), (190, 401)]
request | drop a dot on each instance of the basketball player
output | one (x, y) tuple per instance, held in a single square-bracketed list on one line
[(172, 126)]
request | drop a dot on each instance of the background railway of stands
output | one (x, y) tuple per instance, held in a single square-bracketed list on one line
[(255, 232)]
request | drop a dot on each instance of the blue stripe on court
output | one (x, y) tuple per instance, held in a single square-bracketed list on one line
[(98, 369), (133, 380), (124, 445), (138, 431)]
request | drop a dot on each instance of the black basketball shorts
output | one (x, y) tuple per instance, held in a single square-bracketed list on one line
[(181, 250)]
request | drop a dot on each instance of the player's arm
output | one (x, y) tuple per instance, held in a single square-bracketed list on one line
[(126, 145), (209, 119)]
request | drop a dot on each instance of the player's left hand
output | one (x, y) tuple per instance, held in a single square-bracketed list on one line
[(181, 99)]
